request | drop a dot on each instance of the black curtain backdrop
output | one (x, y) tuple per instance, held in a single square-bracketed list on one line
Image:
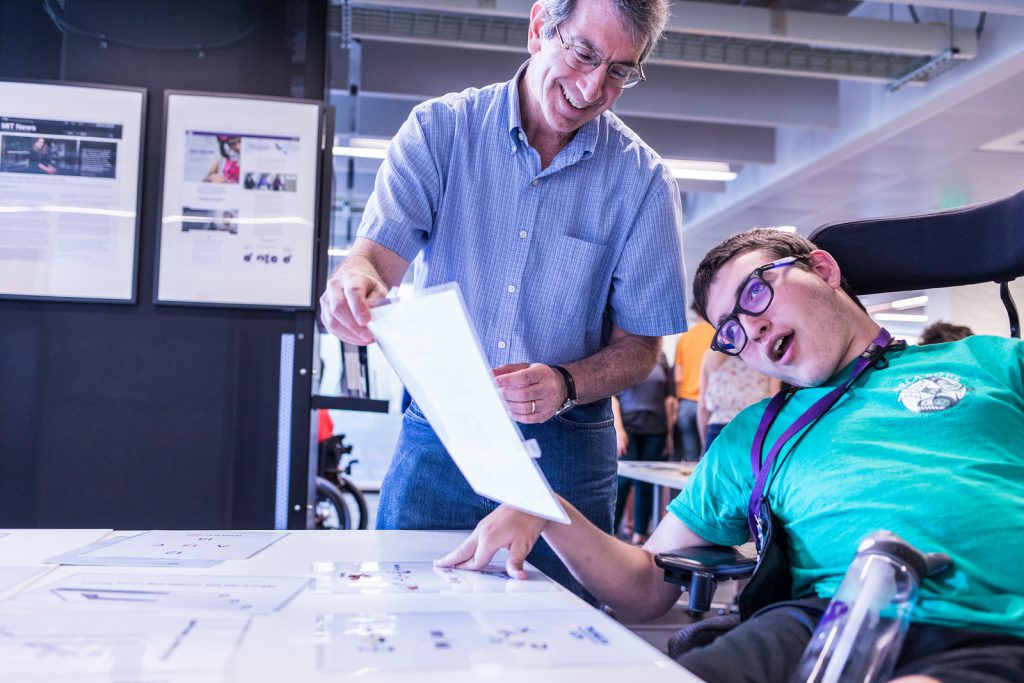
[(142, 416)]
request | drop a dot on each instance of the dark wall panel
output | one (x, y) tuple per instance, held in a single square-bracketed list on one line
[(30, 45), (256, 56), (21, 416), (146, 416)]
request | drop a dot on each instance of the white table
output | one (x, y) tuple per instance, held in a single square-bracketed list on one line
[(671, 475), (286, 645)]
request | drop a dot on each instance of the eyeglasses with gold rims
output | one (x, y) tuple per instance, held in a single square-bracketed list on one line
[(583, 59)]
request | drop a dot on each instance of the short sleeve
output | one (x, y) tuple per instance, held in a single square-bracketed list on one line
[(400, 212), (714, 502), (650, 268)]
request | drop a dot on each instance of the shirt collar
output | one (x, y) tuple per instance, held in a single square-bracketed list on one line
[(515, 120)]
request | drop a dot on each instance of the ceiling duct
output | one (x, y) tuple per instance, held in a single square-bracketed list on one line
[(478, 31), (739, 54), (760, 46)]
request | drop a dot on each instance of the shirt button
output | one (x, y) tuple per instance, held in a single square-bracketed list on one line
[(535, 182), (511, 289), (522, 136), (501, 345), (522, 234), (513, 149)]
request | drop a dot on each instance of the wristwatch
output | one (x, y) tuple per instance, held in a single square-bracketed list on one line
[(570, 389)]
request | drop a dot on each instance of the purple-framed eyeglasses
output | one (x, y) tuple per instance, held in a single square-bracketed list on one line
[(753, 298)]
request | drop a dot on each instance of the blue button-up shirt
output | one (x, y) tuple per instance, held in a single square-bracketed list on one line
[(545, 258)]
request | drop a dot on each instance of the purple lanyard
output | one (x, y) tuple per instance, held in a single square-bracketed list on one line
[(820, 407)]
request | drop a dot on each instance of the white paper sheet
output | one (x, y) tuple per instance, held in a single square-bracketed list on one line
[(171, 549), (361, 642), (160, 593), (432, 345), (123, 647), (13, 576), (370, 578)]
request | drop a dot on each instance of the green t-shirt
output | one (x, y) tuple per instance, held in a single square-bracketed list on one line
[(930, 448)]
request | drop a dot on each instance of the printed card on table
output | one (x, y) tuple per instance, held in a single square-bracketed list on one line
[(172, 549), (124, 647), (160, 593), (364, 642), (422, 577)]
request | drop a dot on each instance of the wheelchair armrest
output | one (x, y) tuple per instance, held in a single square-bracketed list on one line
[(700, 568)]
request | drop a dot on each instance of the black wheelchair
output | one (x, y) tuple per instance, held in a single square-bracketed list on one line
[(968, 245), (339, 503)]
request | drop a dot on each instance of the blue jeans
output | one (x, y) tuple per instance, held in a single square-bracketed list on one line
[(689, 437), (423, 488), (647, 447), (713, 431)]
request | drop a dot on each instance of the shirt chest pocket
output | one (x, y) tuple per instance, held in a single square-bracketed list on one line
[(578, 275)]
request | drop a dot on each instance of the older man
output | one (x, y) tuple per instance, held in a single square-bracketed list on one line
[(561, 226), (924, 441)]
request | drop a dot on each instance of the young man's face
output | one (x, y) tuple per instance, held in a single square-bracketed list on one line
[(803, 337), (560, 98)]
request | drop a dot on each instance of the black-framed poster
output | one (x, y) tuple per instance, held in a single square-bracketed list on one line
[(240, 201), (70, 166)]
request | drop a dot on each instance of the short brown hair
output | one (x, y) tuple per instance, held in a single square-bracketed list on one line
[(779, 244), (941, 331)]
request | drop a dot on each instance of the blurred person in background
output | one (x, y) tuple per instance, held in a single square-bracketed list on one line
[(728, 385), (690, 349), (940, 331), (644, 417)]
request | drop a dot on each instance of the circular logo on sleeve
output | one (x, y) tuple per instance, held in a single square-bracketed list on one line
[(932, 393)]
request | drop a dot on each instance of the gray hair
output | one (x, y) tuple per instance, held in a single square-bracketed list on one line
[(644, 19)]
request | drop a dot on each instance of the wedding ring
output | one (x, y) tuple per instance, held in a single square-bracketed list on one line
[(533, 407)]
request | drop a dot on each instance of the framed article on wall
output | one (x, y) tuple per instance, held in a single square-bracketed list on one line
[(239, 205), (70, 163)]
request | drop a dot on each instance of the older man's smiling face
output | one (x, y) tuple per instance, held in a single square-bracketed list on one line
[(561, 99)]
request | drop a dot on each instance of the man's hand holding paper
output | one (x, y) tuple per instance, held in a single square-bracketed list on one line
[(345, 304), (533, 392)]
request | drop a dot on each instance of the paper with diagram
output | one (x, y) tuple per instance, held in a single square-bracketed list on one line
[(369, 578), (431, 344), (161, 593), (171, 549), (367, 642), (113, 647)]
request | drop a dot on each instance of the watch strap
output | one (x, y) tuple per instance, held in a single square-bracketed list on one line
[(570, 383)]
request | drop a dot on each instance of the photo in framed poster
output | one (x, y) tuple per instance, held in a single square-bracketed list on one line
[(70, 164), (239, 203)]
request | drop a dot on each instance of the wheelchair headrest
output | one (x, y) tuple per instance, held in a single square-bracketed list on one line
[(967, 245)]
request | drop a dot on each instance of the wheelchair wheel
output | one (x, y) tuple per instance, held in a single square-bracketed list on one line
[(357, 504), (332, 511)]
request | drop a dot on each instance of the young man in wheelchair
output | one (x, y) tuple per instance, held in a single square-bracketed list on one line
[(926, 442)]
